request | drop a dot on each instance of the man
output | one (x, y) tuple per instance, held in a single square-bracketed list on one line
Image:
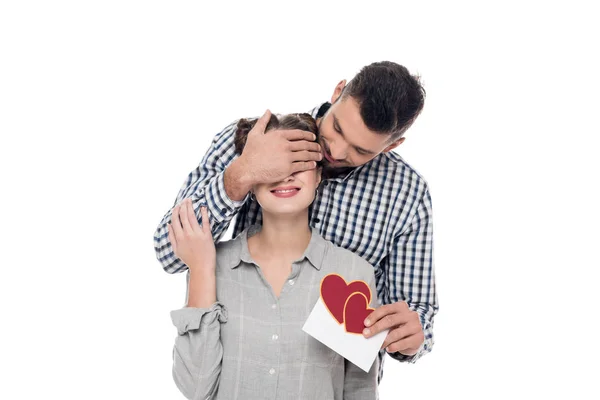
[(371, 202)]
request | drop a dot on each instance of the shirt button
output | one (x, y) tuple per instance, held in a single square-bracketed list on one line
[(317, 220), (326, 183), (275, 337), (271, 371), (292, 283)]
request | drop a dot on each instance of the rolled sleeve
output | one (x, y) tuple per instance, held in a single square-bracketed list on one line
[(190, 318), (198, 351)]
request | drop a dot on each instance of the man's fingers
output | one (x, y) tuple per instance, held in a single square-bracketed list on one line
[(386, 317), (261, 124), (408, 346), (205, 220), (303, 166), (406, 352), (395, 335), (401, 345), (297, 134), (306, 156), (302, 145), (398, 307), (387, 322), (379, 313)]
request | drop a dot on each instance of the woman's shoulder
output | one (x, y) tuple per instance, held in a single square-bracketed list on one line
[(229, 252), (226, 245), (234, 243)]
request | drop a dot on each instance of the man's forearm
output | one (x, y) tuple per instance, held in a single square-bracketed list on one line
[(208, 188), (205, 185), (236, 181)]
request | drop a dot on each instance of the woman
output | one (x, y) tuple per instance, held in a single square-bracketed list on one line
[(240, 335)]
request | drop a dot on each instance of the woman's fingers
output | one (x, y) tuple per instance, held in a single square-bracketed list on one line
[(205, 220), (176, 223), (172, 238), (183, 216), (191, 216)]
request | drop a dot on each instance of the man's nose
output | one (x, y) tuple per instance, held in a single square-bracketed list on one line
[(339, 151)]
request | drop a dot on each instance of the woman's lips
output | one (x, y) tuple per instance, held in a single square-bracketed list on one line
[(287, 193)]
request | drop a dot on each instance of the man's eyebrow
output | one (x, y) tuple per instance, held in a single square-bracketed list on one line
[(341, 132)]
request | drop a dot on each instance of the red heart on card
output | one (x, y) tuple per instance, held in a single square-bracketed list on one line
[(355, 312), (335, 292)]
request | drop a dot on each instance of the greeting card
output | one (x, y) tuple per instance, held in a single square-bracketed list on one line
[(337, 320)]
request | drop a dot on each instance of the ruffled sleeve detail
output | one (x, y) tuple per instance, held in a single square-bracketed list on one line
[(190, 318)]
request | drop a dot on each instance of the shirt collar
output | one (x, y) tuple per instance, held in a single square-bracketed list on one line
[(315, 251)]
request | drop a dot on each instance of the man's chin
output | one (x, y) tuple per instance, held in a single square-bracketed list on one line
[(329, 171)]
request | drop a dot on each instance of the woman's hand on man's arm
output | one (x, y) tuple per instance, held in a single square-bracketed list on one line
[(194, 245)]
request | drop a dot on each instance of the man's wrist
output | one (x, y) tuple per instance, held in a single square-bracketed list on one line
[(237, 180)]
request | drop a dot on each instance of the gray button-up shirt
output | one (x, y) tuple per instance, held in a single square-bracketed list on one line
[(250, 344)]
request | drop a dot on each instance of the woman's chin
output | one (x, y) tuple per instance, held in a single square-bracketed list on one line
[(284, 209)]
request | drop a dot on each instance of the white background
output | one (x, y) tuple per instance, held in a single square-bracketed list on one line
[(106, 106)]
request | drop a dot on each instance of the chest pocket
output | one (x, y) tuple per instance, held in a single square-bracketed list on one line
[(316, 353)]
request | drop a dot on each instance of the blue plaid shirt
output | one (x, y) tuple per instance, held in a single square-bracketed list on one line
[(380, 210)]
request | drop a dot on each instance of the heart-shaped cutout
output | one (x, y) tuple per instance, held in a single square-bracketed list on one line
[(335, 293), (355, 312)]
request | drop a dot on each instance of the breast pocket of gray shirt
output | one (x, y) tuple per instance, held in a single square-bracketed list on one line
[(316, 353)]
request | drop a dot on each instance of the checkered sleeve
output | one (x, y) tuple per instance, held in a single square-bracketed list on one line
[(205, 186), (410, 273)]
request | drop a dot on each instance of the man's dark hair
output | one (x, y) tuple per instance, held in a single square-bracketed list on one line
[(389, 97)]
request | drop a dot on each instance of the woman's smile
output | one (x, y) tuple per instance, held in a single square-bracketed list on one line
[(288, 191)]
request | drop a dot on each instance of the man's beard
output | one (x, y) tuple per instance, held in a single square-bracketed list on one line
[(329, 172)]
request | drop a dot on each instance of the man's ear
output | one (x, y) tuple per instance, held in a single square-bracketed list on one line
[(338, 91), (393, 145)]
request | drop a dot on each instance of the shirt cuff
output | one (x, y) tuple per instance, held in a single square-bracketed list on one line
[(221, 207), (190, 318)]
